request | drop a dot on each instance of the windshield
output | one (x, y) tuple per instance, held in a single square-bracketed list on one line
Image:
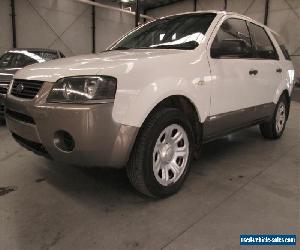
[(22, 58), (176, 32)]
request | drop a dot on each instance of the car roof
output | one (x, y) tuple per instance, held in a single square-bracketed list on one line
[(228, 13), (225, 13)]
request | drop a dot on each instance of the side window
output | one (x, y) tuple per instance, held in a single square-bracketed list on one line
[(263, 44), (284, 50), (232, 40), (5, 60), (48, 56), (22, 60)]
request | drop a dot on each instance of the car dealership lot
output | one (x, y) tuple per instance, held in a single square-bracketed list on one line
[(242, 184)]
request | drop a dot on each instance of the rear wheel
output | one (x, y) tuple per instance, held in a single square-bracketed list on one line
[(162, 154), (275, 127)]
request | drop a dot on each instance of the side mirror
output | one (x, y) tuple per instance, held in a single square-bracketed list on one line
[(231, 48)]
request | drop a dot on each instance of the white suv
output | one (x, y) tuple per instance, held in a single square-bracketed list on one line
[(155, 96)]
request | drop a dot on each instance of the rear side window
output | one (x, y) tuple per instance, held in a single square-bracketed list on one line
[(262, 42), (232, 40), (284, 50), (47, 56)]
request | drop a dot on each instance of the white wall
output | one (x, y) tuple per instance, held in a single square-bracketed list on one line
[(60, 24), (5, 26), (284, 17), (179, 7), (110, 26)]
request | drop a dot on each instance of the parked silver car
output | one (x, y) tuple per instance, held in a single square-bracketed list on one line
[(13, 60)]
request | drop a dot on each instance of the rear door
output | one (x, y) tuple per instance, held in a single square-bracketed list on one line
[(267, 64)]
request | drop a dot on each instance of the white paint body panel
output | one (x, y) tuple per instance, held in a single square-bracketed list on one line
[(146, 77), (234, 88)]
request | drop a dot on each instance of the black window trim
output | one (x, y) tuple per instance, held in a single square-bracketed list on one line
[(254, 52), (233, 58), (254, 43)]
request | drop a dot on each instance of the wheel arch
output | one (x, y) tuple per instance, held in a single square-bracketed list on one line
[(285, 93), (185, 105)]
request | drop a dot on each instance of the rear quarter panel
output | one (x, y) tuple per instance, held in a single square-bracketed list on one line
[(288, 71)]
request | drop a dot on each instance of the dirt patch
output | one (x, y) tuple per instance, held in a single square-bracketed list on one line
[(40, 180), (7, 190)]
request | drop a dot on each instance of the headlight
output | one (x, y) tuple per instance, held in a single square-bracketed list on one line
[(80, 89)]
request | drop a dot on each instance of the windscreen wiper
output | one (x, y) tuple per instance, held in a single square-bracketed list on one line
[(121, 48), (184, 46)]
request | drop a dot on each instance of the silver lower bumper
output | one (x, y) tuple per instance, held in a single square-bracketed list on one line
[(98, 140)]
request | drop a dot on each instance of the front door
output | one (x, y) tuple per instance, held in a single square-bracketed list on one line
[(235, 77)]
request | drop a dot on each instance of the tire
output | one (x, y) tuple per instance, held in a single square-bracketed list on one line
[(152, 150), (274, 128)]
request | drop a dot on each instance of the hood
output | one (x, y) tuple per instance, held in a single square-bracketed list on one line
[(109, 63), (6, 74)]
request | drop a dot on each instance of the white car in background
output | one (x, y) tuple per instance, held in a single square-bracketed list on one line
[(16, 59), (154, 97)]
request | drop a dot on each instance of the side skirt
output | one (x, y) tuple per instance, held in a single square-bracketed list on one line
[(226, 123)]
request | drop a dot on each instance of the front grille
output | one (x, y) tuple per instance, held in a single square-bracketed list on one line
[(32, 146), (19, 116), (27, 89), (3, 87)]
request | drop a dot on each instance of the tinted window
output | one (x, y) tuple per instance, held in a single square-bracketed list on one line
[(232, 40), (263, 45), (5, 60), (22, 58), (284, 50), (47, 56), (15, 60), (176, 32)]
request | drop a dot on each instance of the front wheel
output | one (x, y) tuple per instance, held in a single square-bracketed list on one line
[(161, 157), (275, 127)]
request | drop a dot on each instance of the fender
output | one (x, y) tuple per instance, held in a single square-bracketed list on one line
[(139, 109), (132, 106)]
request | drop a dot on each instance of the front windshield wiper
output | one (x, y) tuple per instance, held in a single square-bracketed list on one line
[(184, 46), (127, 48), (121, 48)]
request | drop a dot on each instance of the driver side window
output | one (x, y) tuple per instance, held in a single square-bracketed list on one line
[(232, 40), (23, 60)]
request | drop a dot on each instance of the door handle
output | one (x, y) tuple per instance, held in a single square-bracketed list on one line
[(253, 72), (279, 70)]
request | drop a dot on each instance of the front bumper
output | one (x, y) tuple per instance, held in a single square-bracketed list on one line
[(98, 140)]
